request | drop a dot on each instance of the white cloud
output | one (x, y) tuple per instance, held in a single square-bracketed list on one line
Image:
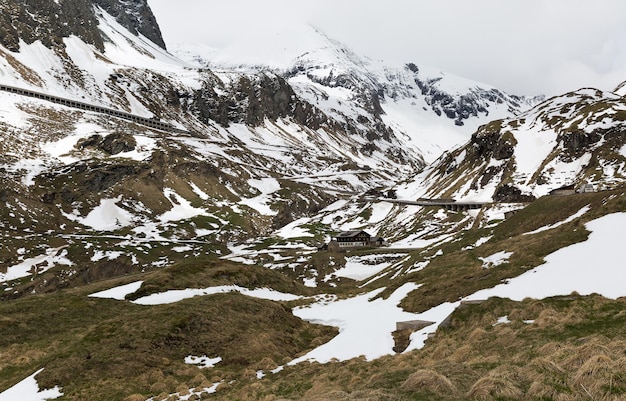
[(521, 46)]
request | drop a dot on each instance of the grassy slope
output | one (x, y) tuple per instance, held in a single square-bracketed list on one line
[(104, 349), (101, 349), (459, 272), (574, 349)]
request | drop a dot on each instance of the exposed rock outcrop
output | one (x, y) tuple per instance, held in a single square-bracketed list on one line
[(111, 144), (509, 193), (489, 141), (52, 21), (136, 16)]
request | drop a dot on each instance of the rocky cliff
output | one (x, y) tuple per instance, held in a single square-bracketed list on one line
[(52, 21)]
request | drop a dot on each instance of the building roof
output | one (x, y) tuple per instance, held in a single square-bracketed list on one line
[(351, 234), (569, 187)]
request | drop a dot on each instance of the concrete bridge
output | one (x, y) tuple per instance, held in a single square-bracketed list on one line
[(447, 204), (148, 122)]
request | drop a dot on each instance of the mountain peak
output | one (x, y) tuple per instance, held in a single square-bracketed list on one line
[(275, 47), (51, 22), (136, 16), (621, 89), (433, 109), (569, 140)]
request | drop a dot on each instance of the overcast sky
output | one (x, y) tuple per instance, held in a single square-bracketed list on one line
[(524, 47)]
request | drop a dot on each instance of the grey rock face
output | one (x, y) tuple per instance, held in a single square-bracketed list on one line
[(47, 21), (136, 16), (50, 22)]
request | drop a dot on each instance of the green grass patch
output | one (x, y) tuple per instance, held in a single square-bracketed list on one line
[(97, 349)]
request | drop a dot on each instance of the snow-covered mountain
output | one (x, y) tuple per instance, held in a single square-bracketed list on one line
[(193, 188), (50, 22), (270, 143), (427, 108), (572, 140)]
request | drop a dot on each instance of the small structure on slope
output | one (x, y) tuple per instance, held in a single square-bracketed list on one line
[(564, 190), (586, 188), (354, 239)]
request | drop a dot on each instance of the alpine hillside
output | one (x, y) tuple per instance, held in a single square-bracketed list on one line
[(170, 221), (250, 149), (571, 140)]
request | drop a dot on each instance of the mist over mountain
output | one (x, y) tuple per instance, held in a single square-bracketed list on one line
[(435, 109), (167, 219)]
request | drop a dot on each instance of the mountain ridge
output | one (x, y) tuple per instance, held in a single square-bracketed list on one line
[(206, 227), (573, 139), (408, 98)]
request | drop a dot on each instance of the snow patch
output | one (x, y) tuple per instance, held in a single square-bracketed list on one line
[(478, 242), (266, 186), (362, 267), (496, 259), (172, 296), (37, 265), (202, 361), (110, 255), (119, 292), (560, 223), (105, 217), (28, 390), (380, 211), (293, 229), (593, 266), (365, 325), (182, 249), (498, 210), (502, 320), (201, 194), (181, 208)]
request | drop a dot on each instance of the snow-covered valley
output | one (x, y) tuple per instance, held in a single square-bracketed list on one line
[(167, 222)]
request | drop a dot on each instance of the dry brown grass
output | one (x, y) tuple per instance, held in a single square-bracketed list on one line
[(462, 353), (549, 380), (158, 388), (359, 395), (500, 383), (331, 396), (594, 376), (548, 318), (545, 366), (429, 380), (135, 397), (443, 349), (539, 390), (578, 356), (477, 335), (550, 348), (620, 364)]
